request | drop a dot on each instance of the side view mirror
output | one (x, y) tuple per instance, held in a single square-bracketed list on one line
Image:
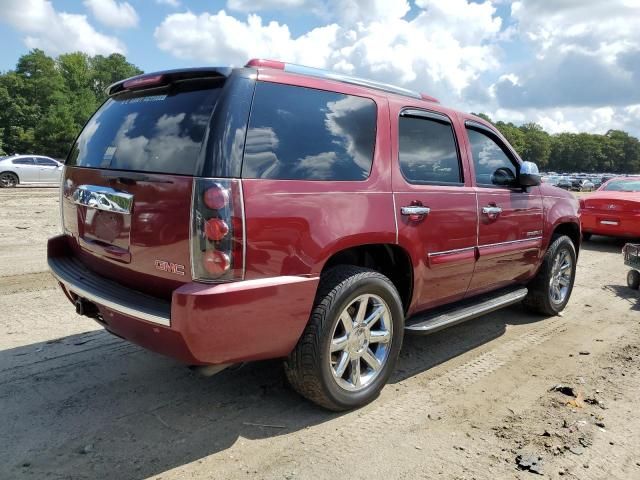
[(529, 175)]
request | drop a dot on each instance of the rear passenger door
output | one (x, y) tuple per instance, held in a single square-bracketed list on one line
[(26, 169), (435, 206), (510, 217)]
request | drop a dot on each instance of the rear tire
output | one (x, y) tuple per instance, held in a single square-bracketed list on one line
[(551, 288), (633, 279), (8, 180), (342, 361)]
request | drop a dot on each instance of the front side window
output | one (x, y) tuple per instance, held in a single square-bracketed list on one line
[(492, 164), (46, 162), (427, 151), (298, 133)]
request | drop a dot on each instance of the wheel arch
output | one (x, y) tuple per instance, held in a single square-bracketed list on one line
[(12, 173), (571, 230), (389, 259)]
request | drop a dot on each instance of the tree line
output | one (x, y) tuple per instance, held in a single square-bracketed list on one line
[(45, 102), (615, 151)]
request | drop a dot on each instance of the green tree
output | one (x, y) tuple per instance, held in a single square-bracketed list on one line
[(45, 102), (537, 144), (108, 70)]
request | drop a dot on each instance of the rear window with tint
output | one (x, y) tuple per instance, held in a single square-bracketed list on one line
[(427, 151), (299, 133), (161, 130)]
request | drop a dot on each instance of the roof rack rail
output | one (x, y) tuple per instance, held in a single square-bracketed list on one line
[(320, 73)]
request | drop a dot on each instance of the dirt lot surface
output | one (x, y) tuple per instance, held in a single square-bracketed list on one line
[(77, 402)]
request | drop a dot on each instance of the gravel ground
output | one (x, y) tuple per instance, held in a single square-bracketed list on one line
[(464, 403)]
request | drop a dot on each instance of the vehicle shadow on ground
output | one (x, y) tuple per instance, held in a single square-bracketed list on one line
[(627, 294), (606, 244), (93, 406)]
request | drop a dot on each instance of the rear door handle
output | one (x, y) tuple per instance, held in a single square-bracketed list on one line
[(415, 210)]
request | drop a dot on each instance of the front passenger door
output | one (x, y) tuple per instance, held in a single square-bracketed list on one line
[(510, 217), (49, 170)]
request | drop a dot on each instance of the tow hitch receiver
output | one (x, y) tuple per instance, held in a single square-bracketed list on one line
[(86, 308)]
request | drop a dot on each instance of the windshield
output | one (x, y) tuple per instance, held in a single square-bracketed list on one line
[(159, 130), (623, 186)]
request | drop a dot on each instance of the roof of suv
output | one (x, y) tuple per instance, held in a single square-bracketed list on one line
[(164, 76)]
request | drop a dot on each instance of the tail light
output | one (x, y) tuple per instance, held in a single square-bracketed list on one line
[(582, 204), (217, 230)]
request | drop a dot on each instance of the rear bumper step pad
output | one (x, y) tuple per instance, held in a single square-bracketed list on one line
[(90, 286)]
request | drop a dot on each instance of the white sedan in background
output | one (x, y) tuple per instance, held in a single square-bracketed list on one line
[(29, 169)]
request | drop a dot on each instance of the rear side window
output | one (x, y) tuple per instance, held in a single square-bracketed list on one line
[(299, 133), (23, 161), (159, 130), (427, 151)]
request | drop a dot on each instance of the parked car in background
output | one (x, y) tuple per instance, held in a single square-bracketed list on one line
[(564, 183), (613, 210), (585, 185), (313, 217), (597, 182), (29, 169)]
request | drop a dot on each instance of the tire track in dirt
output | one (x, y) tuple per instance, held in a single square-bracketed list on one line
[(408, 409)]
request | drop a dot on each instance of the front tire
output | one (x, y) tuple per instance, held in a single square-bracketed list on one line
[(351, 344), (633, 279), (551, 288), (8, 179)]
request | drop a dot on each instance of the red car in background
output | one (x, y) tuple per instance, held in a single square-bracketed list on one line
[(612, 210)]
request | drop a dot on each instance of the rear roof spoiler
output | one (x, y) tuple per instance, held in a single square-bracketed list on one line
[(167, 76)]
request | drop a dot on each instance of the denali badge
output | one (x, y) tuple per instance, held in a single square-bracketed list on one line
[(170, 267)]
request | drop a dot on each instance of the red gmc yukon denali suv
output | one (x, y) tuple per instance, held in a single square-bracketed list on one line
[(223, 215)]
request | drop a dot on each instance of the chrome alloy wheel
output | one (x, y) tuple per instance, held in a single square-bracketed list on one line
[(561, 273), (8, 180), (360, 342)]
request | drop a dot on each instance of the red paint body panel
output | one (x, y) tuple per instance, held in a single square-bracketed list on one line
[(292, 227), (500, 260), (241, 321)]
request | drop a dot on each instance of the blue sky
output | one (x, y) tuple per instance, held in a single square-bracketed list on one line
[(570, 65)]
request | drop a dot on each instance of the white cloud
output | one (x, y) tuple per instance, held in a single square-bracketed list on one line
[(252, 6), (222, 39), (171, 3), (442, 50), (56, 32), (113, 14), (345, 12)]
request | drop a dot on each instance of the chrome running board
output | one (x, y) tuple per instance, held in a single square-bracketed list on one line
[(443, 317)]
